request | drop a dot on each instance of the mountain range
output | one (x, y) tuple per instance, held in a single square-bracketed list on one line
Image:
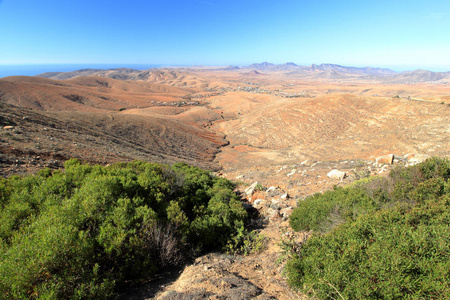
[(313, 72)]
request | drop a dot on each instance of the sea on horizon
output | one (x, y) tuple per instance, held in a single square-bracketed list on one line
[(32, 70)]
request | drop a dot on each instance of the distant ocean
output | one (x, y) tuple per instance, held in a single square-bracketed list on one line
[(31, 70)]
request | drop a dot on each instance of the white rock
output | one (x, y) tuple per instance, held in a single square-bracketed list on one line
[(249, 191), (292, 172), (272, 188), (336, 174), (257, 202)]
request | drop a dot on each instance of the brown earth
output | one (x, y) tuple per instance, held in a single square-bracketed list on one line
[(263, 126)]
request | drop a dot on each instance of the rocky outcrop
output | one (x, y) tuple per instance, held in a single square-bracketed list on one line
[(249, 191), (336, 174), (384, 160)]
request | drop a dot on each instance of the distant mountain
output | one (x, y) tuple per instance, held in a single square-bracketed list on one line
[(353, 70), (263, 66), (270, 66), (338, 72), (312, 72), (120, 73), (422, 76), (231, 67), (331, 74), (322, 67), (253, 73)]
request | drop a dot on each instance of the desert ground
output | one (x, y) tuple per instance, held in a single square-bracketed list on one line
[(280, 126)]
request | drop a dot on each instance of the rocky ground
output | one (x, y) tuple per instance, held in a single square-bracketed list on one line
[(32, 140)]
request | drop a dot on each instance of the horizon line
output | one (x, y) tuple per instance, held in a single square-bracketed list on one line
[(161, 65)]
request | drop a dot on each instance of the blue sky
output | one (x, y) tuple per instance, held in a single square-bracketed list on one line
[(402, 35)]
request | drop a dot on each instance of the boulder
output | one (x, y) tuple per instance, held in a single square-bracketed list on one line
[(249, 191), (257, 203), (336, 174), (385, 160)]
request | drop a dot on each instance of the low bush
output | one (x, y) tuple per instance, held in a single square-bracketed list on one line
[(323, 212), (397, 246), (82, 232), (246, 242)]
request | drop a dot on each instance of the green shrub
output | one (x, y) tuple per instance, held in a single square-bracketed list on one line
[(398, 248), (83, 232), (323, 212), (396, 253), (246, 242)]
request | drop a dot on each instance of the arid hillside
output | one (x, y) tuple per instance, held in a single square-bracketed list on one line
[(265, 114), (329, 127), (282, 126), (86, 93), (48, 121)]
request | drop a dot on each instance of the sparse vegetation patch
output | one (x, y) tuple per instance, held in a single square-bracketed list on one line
[(393, 242)]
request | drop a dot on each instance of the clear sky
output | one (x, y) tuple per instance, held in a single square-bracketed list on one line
[(398, 34)]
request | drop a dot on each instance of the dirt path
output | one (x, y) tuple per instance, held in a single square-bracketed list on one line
[(222, 276)]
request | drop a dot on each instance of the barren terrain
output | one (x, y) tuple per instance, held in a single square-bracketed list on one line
[(284, 127)]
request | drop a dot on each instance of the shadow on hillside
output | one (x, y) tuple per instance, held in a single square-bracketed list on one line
[(150, 288)]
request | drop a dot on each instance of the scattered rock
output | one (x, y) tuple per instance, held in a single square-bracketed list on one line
[(384, 160), (249, 191), (417, 158), (257, 202), (272, 188), (275, 215), (8, 127), (286, 212), (285, 196), (276, 201), (292, 172), (336, 174), (275, 204)]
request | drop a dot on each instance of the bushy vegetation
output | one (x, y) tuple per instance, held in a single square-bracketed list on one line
[(81, 232), (380, 238)]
